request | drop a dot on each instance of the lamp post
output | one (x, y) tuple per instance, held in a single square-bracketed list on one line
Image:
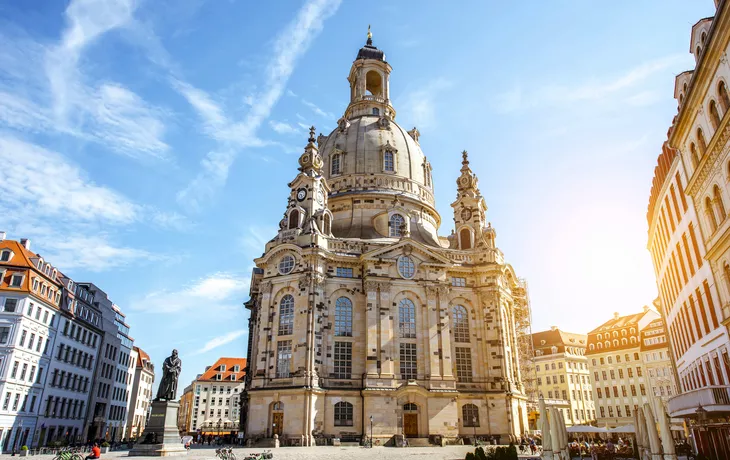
[(702, 426), (474, 424), (220, 420), (371, 431)]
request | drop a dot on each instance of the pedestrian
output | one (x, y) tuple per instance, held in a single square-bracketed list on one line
[(594, 451), (95, 453), (610, 450)]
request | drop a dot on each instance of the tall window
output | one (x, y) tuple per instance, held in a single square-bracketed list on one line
[(408, 361), (388, 161), (461, 324), (719, 205), (407, 319), (397, 222), (343, 317), (343, 360), (343, 414), (694, 154), (701, 144), (283, 359), (336, 164), (293, 219), (470, 415), (463, 364), (465, 238), (710, 213), (724, 99), (286, 315), (714, 115)]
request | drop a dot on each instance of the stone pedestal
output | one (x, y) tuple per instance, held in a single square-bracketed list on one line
[(161, 437)]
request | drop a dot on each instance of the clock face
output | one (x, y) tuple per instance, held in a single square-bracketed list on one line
[(301, 194), (320, 196), (466, 214)]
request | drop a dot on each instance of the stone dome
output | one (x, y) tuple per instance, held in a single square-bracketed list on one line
[(360, 145)]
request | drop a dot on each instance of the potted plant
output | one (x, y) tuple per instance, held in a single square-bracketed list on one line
[(24, 451), (104, 447)]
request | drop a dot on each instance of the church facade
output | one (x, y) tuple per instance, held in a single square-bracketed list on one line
[(361, 314)]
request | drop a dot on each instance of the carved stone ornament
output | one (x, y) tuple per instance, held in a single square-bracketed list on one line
[(320, 140), (342, 124), (384, 123), (415, 134), (371, 286), (265, 286), (723, 58)]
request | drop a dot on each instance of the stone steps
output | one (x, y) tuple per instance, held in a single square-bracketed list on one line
[(419, 442)]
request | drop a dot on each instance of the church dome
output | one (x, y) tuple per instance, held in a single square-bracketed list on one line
[(373, 154)]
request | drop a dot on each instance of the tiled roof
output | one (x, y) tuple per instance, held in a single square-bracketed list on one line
[(141, 356), (621, 321), (558, 338), (229, 363)]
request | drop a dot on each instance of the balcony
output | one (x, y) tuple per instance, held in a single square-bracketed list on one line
[(713, 399), (369, 97)]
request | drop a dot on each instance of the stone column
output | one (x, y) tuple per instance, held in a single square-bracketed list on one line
[(371, 311), (387, 347), (434, 362), (264, 317), (445, 318)]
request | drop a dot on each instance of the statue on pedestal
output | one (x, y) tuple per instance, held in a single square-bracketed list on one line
[(167, 391)]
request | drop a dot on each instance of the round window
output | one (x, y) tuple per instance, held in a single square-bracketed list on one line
[(286, 265), (406, 267)]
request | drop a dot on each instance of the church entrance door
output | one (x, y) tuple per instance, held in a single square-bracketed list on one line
[(277, 423), (410, 425)]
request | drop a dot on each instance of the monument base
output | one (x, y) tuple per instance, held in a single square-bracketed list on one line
[(161, 437)]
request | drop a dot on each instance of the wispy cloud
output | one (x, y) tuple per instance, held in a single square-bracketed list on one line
[(43, 87), (221, 340), (560, 94), (418, 106), (94, 253), (283, 128), (255, 238), (328, 115), (220, 292), (291, 43)]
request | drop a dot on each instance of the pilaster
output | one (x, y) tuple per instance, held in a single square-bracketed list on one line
[(372, 348), (446, 362), (387, 357)]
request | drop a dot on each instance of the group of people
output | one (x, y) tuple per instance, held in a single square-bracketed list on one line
[(529, 442), (600, 449)]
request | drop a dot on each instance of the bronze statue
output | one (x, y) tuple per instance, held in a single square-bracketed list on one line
[(170, 372)]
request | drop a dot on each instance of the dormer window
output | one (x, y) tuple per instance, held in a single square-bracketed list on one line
[(223, 367), (388, 161), (397, 224), (336, 164), (236, 368), (218, 377), (16, 281), (6, 255)]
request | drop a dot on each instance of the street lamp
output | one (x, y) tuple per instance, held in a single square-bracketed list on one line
[(371, 431), (220, 420), (474, 424)]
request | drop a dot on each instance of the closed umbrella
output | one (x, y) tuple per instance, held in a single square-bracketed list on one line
[(547, 448), (667, 440), (555, 425), (643, 439), (637, 434), (564, 430), (654, 443)]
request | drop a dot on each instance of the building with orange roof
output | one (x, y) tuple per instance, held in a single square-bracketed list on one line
[(141, 394), (620, 383), (658, 366), (562, 375), (217, 398)]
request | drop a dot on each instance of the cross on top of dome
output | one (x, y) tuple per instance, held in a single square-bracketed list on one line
[(369, 51)]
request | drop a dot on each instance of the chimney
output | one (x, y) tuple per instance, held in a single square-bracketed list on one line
[(2, 236), (553, 328), (25, 242), (615, 315)]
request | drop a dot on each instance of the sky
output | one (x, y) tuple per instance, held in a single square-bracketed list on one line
[(145, 145)]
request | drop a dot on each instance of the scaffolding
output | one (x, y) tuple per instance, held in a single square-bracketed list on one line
[(526, 352)]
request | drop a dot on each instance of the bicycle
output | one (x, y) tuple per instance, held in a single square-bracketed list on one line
[(225, 453), (68, 454), (265, 455)]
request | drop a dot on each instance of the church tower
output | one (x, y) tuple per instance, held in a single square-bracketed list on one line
[(359, 308)]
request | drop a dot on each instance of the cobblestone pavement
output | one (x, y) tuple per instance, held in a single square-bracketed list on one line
[(319, 453)]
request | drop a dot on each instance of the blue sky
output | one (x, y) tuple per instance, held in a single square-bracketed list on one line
[(146, 145)]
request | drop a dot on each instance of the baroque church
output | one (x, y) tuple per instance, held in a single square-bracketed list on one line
[(362, 316)]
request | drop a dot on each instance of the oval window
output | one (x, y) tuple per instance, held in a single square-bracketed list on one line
[(406, 267), (286, 265)]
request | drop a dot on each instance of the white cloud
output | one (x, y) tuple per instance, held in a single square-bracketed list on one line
[(221, 340), (93, 253), (317, 110), (304, 126), (291, 43), (255, 239), (558, 94), (282, 128), (45, 182), (418, 106), (219, 292)]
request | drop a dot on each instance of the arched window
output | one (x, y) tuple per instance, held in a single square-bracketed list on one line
[(461, 324), (286, 315), (396, 224), (624, 341), (388, 161), (278, 406), (714, 115), (343, 317), (724, 99), (600, 337), (374, 83), (623, 332), (719, 205), (710, 214), (335, 164), (407, 319), (327, 224), (615, 333), (701, 144), (698, 51), (465, 237), (615, 343), (600, 345), (633, 339), (607, 344), (470, 415), (726, 272), (410, 407), (343, 414), (681, 98), (591, 347), (293, 219), (703, 37), (694, 154)]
